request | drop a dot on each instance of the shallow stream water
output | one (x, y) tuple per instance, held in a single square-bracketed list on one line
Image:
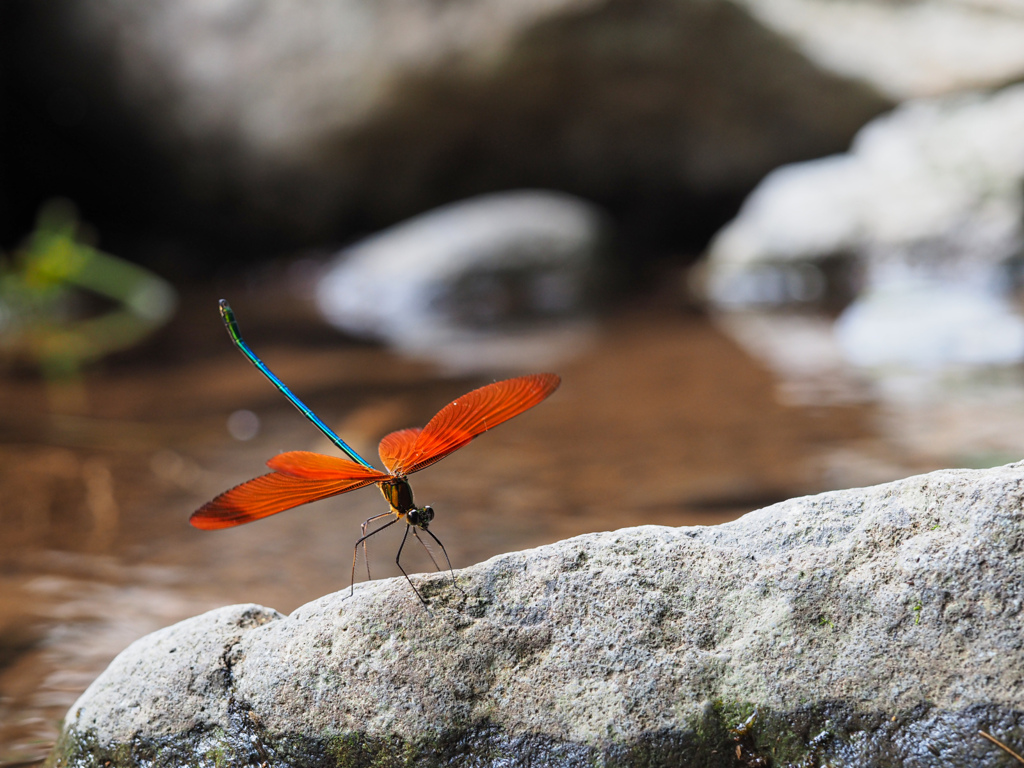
[(661, 419)]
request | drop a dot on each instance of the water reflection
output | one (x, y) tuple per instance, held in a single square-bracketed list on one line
[(940, 362), (918, 324), (243, 424), (64, 617)]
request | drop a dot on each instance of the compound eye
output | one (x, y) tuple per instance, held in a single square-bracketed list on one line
[(427, 514)]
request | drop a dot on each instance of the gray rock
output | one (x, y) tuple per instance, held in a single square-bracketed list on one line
[(471, 274), (868, 627), (328, 113)]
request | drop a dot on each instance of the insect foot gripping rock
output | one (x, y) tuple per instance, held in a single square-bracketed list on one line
[(867, 627)]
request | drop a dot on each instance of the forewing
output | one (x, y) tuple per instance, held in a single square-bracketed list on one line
[(474, 413), (318, 466), (398, 448), (267, 495)]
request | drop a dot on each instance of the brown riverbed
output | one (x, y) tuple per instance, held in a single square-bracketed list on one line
[(662, 420)]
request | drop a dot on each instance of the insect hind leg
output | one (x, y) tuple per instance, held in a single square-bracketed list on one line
[(424, 545), (362, 540), (398, 562), (446, 558)]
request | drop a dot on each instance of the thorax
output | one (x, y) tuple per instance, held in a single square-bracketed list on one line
[(398, 493)]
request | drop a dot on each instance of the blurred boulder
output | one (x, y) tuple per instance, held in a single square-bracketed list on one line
[(320, 117), (905, 49), (485, 269), (929, 193)]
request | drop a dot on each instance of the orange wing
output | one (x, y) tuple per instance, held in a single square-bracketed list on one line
[(318, 466), (267, 495), (396, 448), (409, 451)]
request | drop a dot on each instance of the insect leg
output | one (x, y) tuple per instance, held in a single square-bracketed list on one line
[(424, 545), (446, 559), (355, 553), (398, 562), (366, 558)]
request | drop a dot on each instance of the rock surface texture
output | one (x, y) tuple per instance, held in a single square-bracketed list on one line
[(868, 627)]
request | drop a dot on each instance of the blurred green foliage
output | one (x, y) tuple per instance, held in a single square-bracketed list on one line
[(43, 320)]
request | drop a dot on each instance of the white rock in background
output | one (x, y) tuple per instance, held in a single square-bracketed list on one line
[(488, 269), (933, 186)]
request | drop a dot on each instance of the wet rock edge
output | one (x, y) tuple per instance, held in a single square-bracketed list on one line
[(723, 734)]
